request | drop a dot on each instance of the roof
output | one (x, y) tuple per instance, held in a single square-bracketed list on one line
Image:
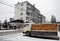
[(18, 21)]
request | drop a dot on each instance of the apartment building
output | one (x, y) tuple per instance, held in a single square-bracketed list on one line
[(28, 12)]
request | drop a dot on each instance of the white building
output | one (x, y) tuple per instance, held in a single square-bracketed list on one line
[(27, 12)]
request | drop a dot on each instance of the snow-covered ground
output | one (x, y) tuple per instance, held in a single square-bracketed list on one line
[(6, 30), (20, 37)]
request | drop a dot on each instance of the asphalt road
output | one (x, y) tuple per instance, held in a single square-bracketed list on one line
[(10, 32)]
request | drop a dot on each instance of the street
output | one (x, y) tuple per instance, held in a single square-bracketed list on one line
[(10, 32), (19, 36)]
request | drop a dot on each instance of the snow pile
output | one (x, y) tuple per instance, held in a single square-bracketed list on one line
[(6, 30)]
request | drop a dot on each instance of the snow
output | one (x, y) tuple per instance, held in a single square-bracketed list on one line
[(6, 30), (20, 37), (59, 34)]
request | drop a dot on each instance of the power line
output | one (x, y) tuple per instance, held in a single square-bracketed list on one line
[(8, 5)]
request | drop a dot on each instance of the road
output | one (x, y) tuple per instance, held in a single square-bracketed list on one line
[(19, 36), (10, 32)]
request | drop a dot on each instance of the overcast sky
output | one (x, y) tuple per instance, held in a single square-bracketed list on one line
[(46, 7)]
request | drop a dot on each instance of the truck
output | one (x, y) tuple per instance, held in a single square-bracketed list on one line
[(48, 30)]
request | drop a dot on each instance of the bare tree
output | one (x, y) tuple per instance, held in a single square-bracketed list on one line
[(53, 19), (5, 24)]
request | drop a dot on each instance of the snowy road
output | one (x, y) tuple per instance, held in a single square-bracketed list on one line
[(20, 37), (10, 32)]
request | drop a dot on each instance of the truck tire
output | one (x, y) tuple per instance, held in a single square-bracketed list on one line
[(28, 33)]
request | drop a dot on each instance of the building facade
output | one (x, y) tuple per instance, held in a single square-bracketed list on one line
[(16, 24), (28, 12)]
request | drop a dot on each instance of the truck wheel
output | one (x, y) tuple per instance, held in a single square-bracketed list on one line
[(27, 33)]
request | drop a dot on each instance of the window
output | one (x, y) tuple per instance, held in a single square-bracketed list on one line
[(21, 18), (22, 4), (21, 9), (26, 25), (21, 13), (26, 18), (29, 6), (28, 13)]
